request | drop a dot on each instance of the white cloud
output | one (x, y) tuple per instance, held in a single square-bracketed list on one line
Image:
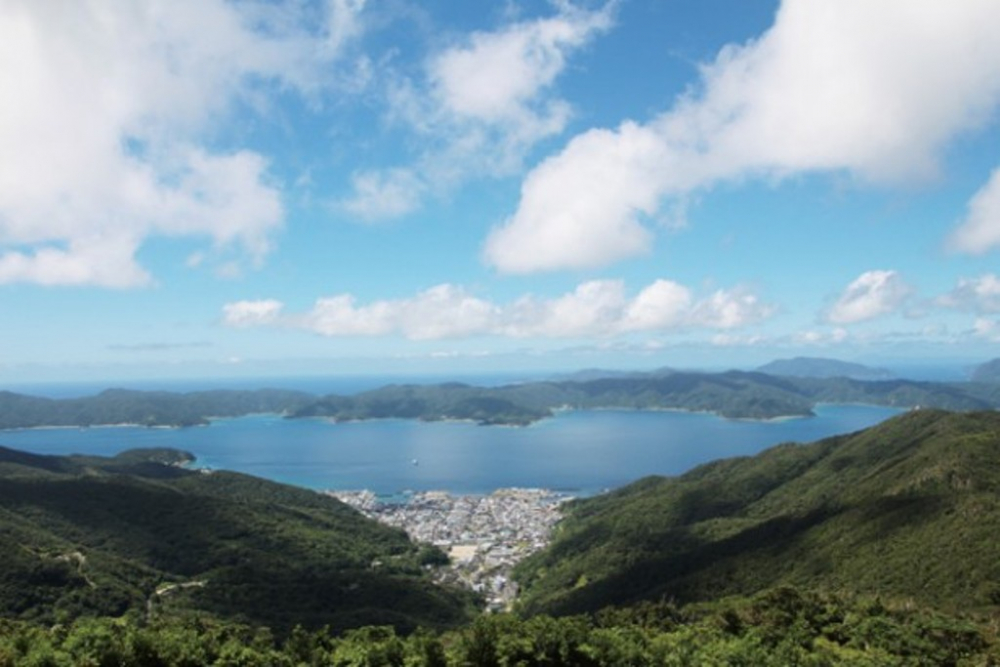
[(106, 109), (876, 89), (578, 209), (980, 295), (594, 308), (251, 313), (662, 305), (444, 311), (496, 77), (986, 329), (598, 308), (384, 194), (730, 309), (482, 104), (871, 295), (980, 231)]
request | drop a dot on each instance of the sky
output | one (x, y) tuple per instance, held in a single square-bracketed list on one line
[(201, 188)]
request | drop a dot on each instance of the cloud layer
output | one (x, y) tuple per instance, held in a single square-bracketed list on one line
[(598, 308), (872, 89)]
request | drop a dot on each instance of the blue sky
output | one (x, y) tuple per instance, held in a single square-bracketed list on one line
[(208, 188)]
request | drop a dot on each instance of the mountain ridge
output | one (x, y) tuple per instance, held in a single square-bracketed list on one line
[(883, 511)]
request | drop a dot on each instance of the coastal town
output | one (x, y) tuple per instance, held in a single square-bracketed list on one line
[(484, 536)]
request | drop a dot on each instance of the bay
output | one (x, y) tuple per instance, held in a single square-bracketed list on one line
[(578, 452)]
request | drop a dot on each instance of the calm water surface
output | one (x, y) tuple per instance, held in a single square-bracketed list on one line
[(580, 452)]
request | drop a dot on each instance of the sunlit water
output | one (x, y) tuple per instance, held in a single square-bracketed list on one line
[(581, 452)]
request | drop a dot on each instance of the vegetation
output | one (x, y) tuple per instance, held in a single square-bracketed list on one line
[(874, 548), (907, 510), (137, 534), (781, 627), (145, 408), (733, 394)]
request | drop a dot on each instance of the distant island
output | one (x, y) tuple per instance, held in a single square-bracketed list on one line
[(730, 394), (819, 367), (988, 372)]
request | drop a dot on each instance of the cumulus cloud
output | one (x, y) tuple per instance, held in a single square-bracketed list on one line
[(872, 89), (600, 308), (871, 295), (251, 313), (729, 309), (980, 231), (104, 124), (481, 105), (979, 295)]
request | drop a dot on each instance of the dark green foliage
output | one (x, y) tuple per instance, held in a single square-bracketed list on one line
[(777, 628), (908, 509), (132, 534)]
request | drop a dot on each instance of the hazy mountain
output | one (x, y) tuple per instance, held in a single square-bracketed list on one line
[(816, 367), (988, 372)]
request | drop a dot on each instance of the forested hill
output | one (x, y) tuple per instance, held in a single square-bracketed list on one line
[(733, 394), (146, 408), (138, 534), (906, 510)]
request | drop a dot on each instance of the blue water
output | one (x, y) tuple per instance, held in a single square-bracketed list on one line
[(582, 452)]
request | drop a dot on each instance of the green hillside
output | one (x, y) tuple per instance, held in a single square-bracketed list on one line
[(137, 534), (907, 510), (147, 408)]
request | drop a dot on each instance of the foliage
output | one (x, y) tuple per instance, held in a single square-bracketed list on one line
[(908, 509), (780, 627), (82, 536), (732, 394)]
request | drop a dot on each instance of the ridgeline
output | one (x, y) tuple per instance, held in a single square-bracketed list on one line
[(907, 510), (732, 394)]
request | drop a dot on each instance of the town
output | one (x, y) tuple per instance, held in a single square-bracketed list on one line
[(484, 536)]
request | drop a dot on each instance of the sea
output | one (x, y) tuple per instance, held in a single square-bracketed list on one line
[(575, 452)]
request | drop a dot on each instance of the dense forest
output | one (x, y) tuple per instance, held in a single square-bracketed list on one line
[(908, 510), (778, 628), (138, 534), (872, 548)]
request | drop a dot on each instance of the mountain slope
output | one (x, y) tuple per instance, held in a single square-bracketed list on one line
[(906, 509), (818, 367), (89, 535)]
